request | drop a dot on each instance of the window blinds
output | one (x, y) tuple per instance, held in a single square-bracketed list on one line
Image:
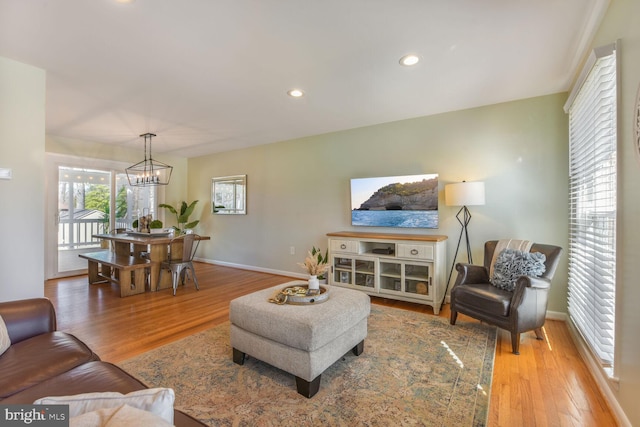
[(592, 206)]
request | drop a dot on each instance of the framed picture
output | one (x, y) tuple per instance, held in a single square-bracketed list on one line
[(344, 277), (369, 281)]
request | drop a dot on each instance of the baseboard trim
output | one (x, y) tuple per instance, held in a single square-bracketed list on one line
[(556, 315), (253, 268)]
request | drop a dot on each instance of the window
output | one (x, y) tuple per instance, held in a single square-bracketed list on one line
[(592, 109)]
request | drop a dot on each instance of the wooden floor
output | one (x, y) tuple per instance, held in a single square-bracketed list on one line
[(546, 385)]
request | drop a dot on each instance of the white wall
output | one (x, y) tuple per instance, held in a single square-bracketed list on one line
[(299, 190), (22, 114)]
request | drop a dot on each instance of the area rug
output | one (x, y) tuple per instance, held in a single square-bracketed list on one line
[(416, 370)]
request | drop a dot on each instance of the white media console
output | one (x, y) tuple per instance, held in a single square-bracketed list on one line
[(407, 267)]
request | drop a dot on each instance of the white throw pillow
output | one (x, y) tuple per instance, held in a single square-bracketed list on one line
[(122, 416), (5, 341), (158, 401)]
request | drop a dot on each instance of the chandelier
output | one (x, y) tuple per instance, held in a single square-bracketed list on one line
[(148, 171)]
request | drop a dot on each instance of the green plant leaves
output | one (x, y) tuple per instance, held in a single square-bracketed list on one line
[(182, 217), (186, 211), (171, 208)]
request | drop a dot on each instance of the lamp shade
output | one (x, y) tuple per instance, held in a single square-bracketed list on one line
[(464, 194)]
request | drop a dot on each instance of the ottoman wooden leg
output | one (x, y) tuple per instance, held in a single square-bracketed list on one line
[(238, 357), (308, 388), (359, 348)]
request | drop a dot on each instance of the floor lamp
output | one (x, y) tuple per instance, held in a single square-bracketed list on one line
[(463, 194)]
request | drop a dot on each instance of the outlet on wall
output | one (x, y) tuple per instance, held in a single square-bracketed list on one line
[(5, 173), (292, 250)]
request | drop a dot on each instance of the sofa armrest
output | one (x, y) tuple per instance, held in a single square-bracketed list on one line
[(533, 282), (28, 318), (469, 274)]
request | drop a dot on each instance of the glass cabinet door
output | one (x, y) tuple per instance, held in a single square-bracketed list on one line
[(390, 276), (342, 270), (356, 272), (397, 277), (365, 273), (417, 280)]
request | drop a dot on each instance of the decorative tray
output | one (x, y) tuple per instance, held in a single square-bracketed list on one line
[(300, 295)]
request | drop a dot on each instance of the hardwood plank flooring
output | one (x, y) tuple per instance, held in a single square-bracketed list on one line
[(548, 384)]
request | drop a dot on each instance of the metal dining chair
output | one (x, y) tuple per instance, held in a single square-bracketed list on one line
[(182, 249)]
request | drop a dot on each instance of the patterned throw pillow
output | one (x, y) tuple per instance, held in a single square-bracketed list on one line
[(512, 264)]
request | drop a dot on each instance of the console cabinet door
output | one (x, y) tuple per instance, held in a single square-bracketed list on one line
[(406, 278), (391, 277), (418, 280), (356, 272)]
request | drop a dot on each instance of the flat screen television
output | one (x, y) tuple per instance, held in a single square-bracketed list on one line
[(409, 201)]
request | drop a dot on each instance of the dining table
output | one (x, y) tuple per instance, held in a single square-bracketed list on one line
[(154, 247)]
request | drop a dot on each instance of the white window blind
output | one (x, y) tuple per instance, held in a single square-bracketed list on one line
[(592, 206)]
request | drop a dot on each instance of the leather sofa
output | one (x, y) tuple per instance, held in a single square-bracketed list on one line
[(42, 361)]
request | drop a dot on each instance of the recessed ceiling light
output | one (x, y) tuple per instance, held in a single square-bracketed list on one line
[(125, 1), (409, 60), (295, 93)]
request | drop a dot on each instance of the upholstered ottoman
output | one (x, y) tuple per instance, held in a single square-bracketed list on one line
[(303, 340)]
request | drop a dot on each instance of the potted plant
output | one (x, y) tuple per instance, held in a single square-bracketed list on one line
[(182, 216), (156, 226)]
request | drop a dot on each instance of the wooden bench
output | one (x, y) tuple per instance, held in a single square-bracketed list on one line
[(124, 265)]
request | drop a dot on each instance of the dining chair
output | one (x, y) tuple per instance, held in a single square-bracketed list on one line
[(182, 249)]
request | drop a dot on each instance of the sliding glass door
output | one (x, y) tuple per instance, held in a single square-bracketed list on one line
[(84, 205), (89, 201)]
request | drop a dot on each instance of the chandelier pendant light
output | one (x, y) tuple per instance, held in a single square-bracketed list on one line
[(148, 171)]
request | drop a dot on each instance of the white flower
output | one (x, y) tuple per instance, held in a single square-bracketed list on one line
[(313, 267)]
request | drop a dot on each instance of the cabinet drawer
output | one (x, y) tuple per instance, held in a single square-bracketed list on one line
[(415, 251), (350, 246)]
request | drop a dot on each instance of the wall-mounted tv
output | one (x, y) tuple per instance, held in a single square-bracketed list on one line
[(409, 201)]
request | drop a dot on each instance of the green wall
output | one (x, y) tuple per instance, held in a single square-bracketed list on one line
[(299, 190)]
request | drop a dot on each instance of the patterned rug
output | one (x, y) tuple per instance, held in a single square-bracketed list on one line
[(416, 370)]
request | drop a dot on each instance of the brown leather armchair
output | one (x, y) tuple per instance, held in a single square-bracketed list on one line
[(519, 311)]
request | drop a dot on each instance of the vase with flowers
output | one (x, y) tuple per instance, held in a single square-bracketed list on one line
[(315, 266), (322, 259)]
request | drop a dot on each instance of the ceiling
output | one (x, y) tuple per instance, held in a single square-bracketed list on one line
[(212, 75)]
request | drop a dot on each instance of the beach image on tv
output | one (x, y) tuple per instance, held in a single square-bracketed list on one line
[(409, 201)]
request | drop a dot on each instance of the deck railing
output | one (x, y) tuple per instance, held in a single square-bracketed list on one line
[(76, 234)]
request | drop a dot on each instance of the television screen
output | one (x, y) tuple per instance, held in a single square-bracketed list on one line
[(409, 201)]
